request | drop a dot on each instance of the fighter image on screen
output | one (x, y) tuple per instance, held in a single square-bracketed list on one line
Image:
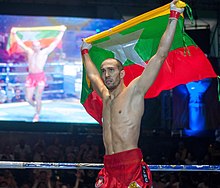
[(36, 79)]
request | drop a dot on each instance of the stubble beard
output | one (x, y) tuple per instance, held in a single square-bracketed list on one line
[(113, 86)]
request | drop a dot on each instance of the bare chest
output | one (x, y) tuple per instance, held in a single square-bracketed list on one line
[(37, 59), (123, 109), (116, 108)]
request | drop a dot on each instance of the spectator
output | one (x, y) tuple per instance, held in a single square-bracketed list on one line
[(7, 154), (39, 153), (72, 148), (54, 152), (157, 183), (19, 97), (68, 177), (182, 150), (42, 179), (86, 147), (3, 96), (9, 178), (22, 151), (39, 150), (10, 92), (189, 159), (173, 181), (178, 159), (3, 75), (25, 185)]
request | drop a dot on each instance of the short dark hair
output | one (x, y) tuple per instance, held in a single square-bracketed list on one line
[(120, 65)]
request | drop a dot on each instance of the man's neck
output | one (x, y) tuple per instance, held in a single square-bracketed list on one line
[(115, 92)]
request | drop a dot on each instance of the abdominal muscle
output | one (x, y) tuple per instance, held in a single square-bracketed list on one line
[(36, 62), (121, 125)]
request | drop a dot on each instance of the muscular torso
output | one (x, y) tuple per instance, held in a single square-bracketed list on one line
[(121, 121), (36, 61)]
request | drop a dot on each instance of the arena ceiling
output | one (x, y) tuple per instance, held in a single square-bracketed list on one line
[(123, 7), (200, 4)]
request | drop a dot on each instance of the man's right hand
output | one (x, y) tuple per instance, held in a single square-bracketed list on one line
[(13, 30), (63, 28), (85, 46)]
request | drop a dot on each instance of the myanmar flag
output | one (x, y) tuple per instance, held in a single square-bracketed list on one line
[(134, 42), (45, 35)]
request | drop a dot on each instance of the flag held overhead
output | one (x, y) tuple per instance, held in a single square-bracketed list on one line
[(134, 42), (45, 35)]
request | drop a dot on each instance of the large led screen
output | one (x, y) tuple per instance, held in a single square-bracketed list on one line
[(63, 70)]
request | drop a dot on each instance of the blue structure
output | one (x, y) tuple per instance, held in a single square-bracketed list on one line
[(197, 115)]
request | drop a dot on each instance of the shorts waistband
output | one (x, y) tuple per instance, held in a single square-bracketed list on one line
[(123, 158), (38, 73)]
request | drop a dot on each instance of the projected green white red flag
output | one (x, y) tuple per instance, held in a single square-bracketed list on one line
[(45, 35)]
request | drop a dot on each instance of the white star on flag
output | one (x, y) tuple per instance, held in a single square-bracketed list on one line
[(123, 47)]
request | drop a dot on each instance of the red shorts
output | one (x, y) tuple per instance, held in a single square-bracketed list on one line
[(124, 170), (35, 79)]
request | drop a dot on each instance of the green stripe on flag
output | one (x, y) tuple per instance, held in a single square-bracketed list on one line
[(134, 46), (38, 35), (47, 34), (148, 42), (44, 34)]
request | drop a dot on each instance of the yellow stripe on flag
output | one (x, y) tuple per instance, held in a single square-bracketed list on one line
[(38, 28), (161, 11)]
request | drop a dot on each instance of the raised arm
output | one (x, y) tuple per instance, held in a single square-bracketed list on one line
[(19, 41), (54, 44), (91, 70), (150, 73)]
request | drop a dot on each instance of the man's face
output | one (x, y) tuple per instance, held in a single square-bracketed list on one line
[(36, 46), (110, 73)]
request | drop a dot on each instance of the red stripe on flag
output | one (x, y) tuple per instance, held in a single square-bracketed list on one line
[(181, 69), (178, 68), (93, 106)]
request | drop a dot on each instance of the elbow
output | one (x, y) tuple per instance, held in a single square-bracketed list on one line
[(163, 53), (92, 77), (162, 56)]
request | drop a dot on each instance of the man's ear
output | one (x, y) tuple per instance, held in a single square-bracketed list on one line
[(122, 73)]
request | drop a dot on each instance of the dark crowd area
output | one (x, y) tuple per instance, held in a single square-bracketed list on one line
[(86, 146)]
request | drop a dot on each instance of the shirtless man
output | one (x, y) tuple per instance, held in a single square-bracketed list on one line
[(123, 108), (36, 79)]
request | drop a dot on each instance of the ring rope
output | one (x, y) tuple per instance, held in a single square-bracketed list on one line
[(26, 64), (98, 166), (26, 73)]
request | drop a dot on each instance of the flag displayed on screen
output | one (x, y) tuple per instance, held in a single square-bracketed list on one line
[(45, 35), (134, 42)]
